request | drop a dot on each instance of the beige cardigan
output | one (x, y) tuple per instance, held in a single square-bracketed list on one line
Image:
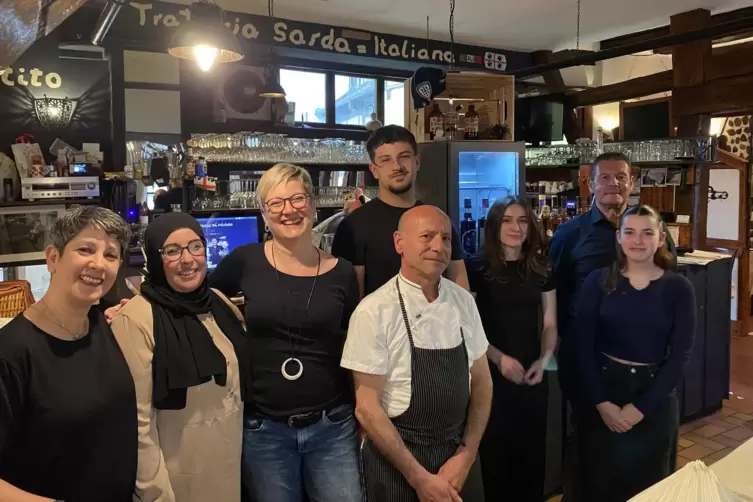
[(188, 455)]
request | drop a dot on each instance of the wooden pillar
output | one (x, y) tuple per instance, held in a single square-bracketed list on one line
[(691, 66)]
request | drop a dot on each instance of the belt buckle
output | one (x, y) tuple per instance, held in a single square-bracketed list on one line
[(303, 417)]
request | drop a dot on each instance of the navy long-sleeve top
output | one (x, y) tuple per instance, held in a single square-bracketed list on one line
[(653, 325), (580, 246)]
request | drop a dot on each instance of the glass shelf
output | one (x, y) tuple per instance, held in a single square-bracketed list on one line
[(669, 151)]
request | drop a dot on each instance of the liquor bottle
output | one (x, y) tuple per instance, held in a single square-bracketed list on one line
[(468, 234), (471, 123), (436, 121), (482, 222), (143, 214), (546, 227), (451, 123)]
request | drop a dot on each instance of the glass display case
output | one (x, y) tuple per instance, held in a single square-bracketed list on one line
[(25, 232), (464, 179)]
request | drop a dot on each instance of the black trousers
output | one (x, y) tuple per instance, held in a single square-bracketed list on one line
[(513, 449), (615, 467)]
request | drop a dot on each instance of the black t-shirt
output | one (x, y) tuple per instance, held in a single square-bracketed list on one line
[(273, 317), (365, 238), (68, 425), (510, 307)]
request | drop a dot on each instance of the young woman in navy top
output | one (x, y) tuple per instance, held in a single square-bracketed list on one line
[(516, 300), (635, 327)]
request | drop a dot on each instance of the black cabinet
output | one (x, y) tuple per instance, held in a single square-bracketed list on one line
[(706, 381)]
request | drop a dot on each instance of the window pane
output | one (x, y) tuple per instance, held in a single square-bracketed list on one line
[(355, 99), (307, 90), (394, 103)]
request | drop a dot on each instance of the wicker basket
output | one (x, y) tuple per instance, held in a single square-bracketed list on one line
[(15, 297)]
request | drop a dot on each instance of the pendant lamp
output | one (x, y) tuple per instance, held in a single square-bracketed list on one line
[(272, 88), (205, 38)]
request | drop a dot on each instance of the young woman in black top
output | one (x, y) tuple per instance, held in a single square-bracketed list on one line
[(299, 429), (516, 300), (67, 400), (635, 324)]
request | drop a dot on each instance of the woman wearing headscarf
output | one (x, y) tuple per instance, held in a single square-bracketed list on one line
[(184, 344), (67, 426)]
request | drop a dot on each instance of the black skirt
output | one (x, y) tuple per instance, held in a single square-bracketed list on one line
[(614, 466), (513, 449)]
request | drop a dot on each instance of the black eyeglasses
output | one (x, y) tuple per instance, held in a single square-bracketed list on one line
[(404, 160), (173, 252), (297, 201)]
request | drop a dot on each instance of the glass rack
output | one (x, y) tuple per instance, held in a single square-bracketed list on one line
[(266, 148), (241, 195), (699, 150)]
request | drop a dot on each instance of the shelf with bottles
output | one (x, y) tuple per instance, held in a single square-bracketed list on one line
[(492, 96), (669, 151)]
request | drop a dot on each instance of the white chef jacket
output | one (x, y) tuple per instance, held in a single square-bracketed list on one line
[(378, 344)]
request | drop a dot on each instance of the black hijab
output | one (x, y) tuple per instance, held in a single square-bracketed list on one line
[(184, 353)]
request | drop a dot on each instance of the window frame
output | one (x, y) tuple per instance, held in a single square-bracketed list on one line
[(326, 85), (329, 89)]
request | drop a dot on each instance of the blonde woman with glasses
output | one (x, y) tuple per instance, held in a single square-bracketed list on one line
[(299, 437)]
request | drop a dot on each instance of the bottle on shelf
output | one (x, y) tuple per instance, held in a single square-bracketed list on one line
[(546, 227), (451, 119), (468, 234), (482, 222), (143, 214), (61, 164), (436, 121), (471, 123), (468, 229)]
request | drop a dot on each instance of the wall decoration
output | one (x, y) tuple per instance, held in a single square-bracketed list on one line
[(51, 97), (654, 177), (54, 113), (735, 136), (723, 213), (674, 176), (152, 24)]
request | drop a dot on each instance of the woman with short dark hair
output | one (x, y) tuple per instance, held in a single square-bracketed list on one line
[(635, 324), (516, 299), (67, 400)]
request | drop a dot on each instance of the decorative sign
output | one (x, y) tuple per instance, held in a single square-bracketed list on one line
[(153, 23), (35, 78)]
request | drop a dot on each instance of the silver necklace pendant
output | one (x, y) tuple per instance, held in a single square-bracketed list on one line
[(284, 370)]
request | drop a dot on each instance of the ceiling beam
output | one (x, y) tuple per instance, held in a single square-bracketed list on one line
[(723, 96), (731, 61), (629, 89), (663, 31), (737, 25)]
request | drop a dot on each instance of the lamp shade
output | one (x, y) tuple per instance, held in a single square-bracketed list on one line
[(54, 113), (205, 38), (272, 89)]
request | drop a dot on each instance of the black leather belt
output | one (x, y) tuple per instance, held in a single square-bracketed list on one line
[(305, 419)]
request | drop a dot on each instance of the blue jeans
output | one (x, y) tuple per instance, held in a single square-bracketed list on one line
[(281, 463)]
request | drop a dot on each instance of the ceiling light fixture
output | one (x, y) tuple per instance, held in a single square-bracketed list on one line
[(272, 88), (205, 38), (54, 113)]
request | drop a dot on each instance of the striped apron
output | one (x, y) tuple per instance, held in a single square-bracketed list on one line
[(432, 427)]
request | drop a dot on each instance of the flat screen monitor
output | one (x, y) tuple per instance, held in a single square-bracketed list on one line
[(224, 234)]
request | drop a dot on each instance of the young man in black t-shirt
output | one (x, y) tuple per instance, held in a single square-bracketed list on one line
[(365, 237)]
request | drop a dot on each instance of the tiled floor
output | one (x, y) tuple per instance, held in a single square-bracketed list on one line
[(712, 438)]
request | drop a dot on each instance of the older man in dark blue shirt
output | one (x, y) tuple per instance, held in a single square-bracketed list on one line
[(582, 245), (588, 242)]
